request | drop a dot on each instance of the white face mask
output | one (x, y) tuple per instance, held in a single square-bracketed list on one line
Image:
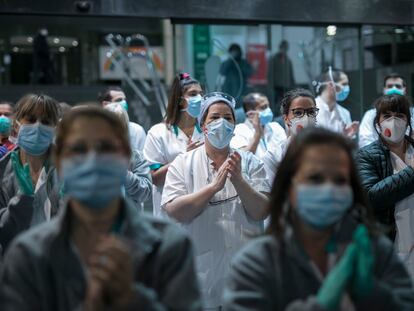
[(298, 124), (393, 129)]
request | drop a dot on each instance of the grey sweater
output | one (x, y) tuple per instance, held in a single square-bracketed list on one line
[(41, 270), (269, 275)]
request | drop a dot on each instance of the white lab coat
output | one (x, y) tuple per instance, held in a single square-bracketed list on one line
[(137, 136), (162, 146), (335, 120), (222, 228), (273, 157), (244, 132), (404, 216), (367, 133)]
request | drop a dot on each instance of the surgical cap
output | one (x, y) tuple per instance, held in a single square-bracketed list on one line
[(215, 97)]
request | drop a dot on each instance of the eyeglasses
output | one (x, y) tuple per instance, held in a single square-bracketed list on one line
[(300, 112), (221, 95)]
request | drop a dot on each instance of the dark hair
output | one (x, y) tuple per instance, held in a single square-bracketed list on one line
[(180, 85), (250, 101), (393, 103), (39, 107), (290, 164), (290, 96), (326, 77), (91, 112), (105, 95), (394, 75), (235, 47)]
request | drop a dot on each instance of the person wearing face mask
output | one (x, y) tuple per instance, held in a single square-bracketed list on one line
[(219, 195), (298, 108), (30, 190), (333, 88), (100, 252), (6, 119), (114, 94), (322, 250), (180, 132), (393, 84), (138, 184), (387, 172), (258, 131)]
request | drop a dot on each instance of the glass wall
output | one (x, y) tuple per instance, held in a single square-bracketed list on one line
[(276, 58), (283, 57)]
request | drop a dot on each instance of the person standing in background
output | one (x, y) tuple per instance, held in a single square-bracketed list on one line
[(43, 70), (234, 73), (281, 73)]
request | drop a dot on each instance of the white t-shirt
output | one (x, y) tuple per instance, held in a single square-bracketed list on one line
[(404, 215), (137, 136), (244, 132), (335, 120), (273, 157), (162, 146), (223, 227)]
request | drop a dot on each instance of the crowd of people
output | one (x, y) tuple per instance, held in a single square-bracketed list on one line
[(310, 213)]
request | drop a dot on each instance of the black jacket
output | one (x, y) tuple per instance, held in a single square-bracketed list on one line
[(384, 188)]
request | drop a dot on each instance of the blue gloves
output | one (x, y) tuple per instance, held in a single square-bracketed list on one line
[(22, 174)]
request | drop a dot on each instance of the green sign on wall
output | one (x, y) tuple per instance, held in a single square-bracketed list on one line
[(201, 50)]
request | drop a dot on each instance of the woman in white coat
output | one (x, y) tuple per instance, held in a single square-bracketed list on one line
[(218, 194), (298, 108), (178, 133)]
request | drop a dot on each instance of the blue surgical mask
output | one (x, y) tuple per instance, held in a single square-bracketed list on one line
[(219, 133), (193, 106), (266, 116), (35, 138), (5, 125), (343, 93), (94, 180), (394, 91), (124, 104), (321, 206)]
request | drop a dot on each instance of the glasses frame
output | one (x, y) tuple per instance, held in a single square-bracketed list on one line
[(305, 111)]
